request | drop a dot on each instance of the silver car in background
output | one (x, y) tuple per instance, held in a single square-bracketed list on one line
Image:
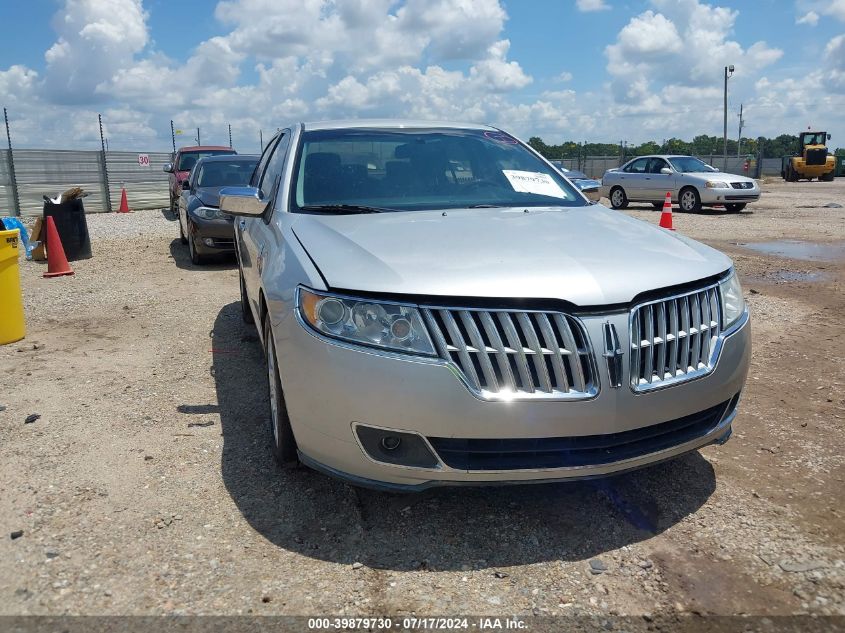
[(693, 184), (439, 306)]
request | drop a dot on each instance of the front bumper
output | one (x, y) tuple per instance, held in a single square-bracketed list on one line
[(729, 196), (213, 237), (330, 388)]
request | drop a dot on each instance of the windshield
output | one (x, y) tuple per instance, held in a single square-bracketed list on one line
[(225, 173), (688, 165), (404, 170), (187, 160)]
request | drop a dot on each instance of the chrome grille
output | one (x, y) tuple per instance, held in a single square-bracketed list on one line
[(673, 340), (505, 353), (742, 185)]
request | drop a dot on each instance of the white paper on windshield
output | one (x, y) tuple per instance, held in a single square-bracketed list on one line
[(533, 182)]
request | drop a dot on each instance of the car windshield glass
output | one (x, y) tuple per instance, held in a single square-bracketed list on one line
[(688, 165), (187, 160), (225, 173), (409, 170)]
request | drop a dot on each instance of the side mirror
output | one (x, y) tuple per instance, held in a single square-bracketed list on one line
[(186, 185), (665, 170), (242, 201), (167, 168)]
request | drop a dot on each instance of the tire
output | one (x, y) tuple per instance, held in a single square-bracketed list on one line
[(246, 313), (689, 201), (791, 175), (618, 199), (735, 208), (196, 258), (282, 442), (827, 177), (182, 238)]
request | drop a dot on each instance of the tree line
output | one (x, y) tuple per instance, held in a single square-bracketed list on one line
[(701, 145)]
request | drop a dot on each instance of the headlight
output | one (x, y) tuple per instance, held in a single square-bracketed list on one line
[(379, 324), (209, 213), (717, 184), (733, 303)]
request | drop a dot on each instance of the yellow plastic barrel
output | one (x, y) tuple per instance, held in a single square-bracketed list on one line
[(12, 325)]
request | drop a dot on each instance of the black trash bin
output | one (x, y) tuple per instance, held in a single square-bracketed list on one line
[(72, 227)]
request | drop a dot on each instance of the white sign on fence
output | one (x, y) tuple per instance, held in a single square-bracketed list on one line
[(143, 160)]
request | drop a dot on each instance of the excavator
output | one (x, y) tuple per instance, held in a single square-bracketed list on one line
[(812, 161)]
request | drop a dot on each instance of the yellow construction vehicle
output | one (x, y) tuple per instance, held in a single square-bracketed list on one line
[(812, 161)]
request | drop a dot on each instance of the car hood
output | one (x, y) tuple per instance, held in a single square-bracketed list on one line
[(590, 256), (209, 196), (718, 175)]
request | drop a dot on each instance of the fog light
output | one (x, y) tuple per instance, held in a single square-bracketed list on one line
[(395, 447), (390, 442), (208, 241)]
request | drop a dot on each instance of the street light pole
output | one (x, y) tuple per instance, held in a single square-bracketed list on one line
[(728, 69)]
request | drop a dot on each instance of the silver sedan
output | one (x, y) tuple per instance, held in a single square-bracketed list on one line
[(439, 305), (693, 184)]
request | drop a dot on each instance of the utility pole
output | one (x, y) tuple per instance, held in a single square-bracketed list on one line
[(261, 139), (173, 136), (728, 69), (741, 125), (230, 135), (15, 198), (198, 137)]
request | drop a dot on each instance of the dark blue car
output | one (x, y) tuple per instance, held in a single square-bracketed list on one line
[(202, 226)]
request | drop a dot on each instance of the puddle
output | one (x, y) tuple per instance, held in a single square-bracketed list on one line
[(794, 249)]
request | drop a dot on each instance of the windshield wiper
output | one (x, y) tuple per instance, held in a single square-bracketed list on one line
[(344, 208)]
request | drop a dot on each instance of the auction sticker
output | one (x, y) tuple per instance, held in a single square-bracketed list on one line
[(534, 182)]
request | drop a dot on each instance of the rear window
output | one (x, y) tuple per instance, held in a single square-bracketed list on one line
[(187, 160), (422, 169)]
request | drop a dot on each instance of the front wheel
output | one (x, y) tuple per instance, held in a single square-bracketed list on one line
[(196, 258), (689, 200), (182, 238), (618, 199), (283, 444), (735, 208), (827, 177)]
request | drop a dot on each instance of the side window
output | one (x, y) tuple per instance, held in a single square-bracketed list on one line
[(270, 177), (262, 163), (637, 167)]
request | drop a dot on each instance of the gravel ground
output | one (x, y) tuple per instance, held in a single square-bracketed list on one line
[(146, 486)]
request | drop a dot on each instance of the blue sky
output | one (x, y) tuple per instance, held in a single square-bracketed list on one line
[(599, 70)]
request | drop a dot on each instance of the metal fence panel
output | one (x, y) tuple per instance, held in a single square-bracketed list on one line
[(49, 172), (7, 197), (146, 185)]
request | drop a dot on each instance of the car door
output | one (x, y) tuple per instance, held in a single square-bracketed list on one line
[(253, 232), (183, 201), (658, 183), (632, 177)]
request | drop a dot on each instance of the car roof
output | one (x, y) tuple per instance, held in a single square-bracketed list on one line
[(228, 158), (662, 156), (201, 148), (393, 124)]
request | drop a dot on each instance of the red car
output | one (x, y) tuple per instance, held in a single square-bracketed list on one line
[(182, 162)]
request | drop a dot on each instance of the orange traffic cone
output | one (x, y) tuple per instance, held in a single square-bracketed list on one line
[(56, 261), (124, 203), (666, 216)]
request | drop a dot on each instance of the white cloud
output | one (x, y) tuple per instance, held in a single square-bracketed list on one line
[(96, 39), (811, 18), (591, 5)]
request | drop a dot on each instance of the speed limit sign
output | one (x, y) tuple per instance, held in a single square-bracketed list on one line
[(143, 160)]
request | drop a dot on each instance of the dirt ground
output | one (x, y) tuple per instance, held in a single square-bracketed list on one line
[(147, 487)]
